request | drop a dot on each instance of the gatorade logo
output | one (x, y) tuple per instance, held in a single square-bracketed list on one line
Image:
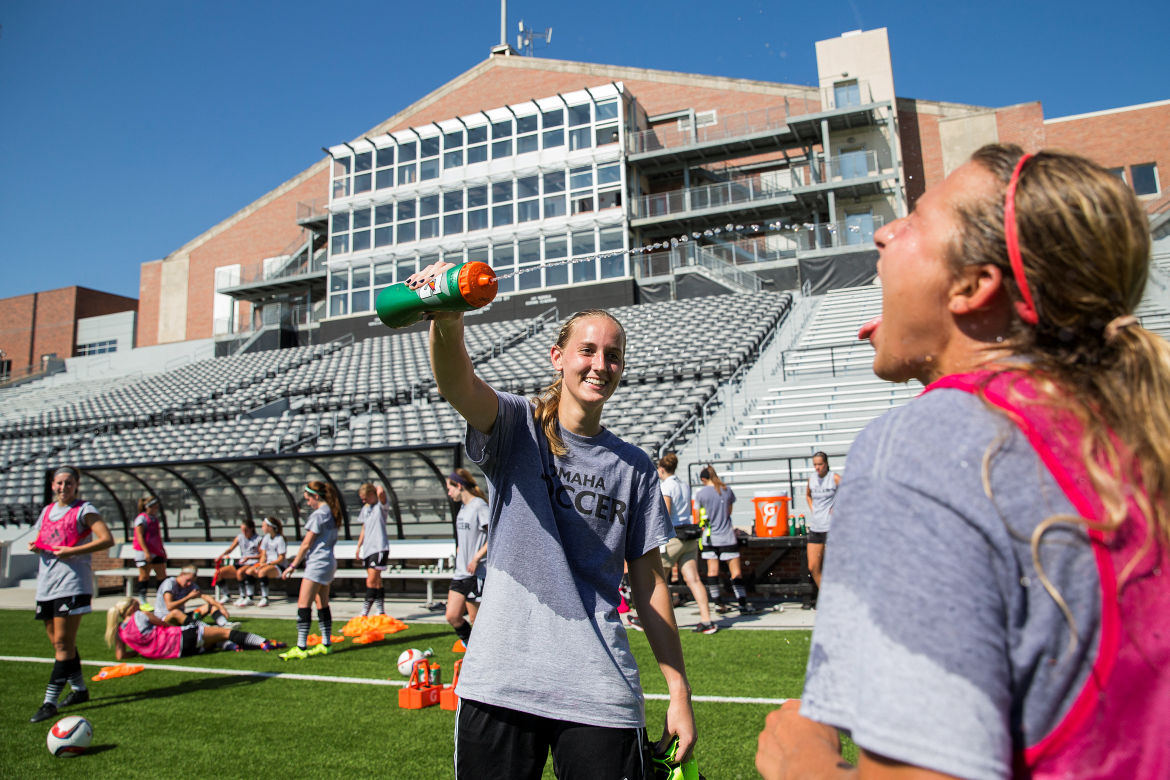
[(771, 514)]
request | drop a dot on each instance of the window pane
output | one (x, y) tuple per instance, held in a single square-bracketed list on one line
[(361, 182), (428, 228), (606, 135), (554, 182), (338, 280), (383, 236), (341, 167), (502, 129), (528, 187), (554, 118), (452, 201), (476, 196), (581, 177), (578, 115), (556, 274), (555, 247), (407, 174), (360, 276), (428, 169), (453, 159), (338, 305), (479, 254), (383, 214), (405, 232), (341, 188), (527, 210), (554, 206), (609, 174), (612, 238), (363, 161), (529, 251), (361, 240), (584, 243), (476, 154), (579, 139), (585, 271), (553, 138), (501, 149), (609, 200), (501, 191), (428, 205), (340, 244), (361, 218), (453, 140), (582, 205), (383, 274), (502, 215), (385, 156), (528, 279), (340, 222), (453, 256), (384, 179), (407, 151), (526, 124), (526, 143), (477, 220), (477, 134), (452, 224), (406, 210), (406, 267), (503, 256), (607, 110), (361, 300), (613, 266), (1145, 178), (430, 147)]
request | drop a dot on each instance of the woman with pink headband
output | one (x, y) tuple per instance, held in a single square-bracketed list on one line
[(993, 603)]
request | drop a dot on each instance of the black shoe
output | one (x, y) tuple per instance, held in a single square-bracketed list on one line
[(636, 623), (722, 609), (75, 697), (748, 609), (46, 711), (705, 628)]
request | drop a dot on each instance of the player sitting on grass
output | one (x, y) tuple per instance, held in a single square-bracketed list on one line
[(131, 631), (173, 595)]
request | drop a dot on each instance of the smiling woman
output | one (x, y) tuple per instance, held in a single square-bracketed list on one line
[(570, 505)]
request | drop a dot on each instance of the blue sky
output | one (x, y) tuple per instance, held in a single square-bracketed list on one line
[(128, 128)]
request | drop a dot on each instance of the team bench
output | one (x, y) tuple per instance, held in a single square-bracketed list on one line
[(410, 559)]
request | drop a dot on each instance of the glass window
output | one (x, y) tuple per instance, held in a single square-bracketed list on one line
[(612, 240), (529, 251), (361, 240), (609, 174), (363, 161), (554, 118), (609, 199), (585, 271), (452, 201), (361, 218), (578, 115), (501, 149), (383, 236), (453, 159), (476, 154), (405, 268), (362, 182), (383, 274), (340, 188), (584, 243), (501, 191), (360, 300), (476, 135), (527, 124), (407, 174), (554, 181), (555, 249), (429, 147), (453, 256), (554, 138), (428, 169), (528, 187), (582, 204), (383, 214), (476, 196), (607, 135), (502, 261), (452, 224), (554, 206), (338, 305), (528, 210), (341, 166), (502, 215), (846, 93), (339, 280), (502, 129), (360, 276), (607, 110), (340, 244), (1118, 172), (340, 222), (407, 151), (479, 254), (477, 220), (385, 156), (428, 205), (1145, 178), (405, 232), (859, 228), (581, 177), (453, 140), (528, 278), (579, 139), (428, 228), (384, 179), (406, 209), (527, 143)]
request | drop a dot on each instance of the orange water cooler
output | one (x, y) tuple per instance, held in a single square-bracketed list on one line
[(771, 512)]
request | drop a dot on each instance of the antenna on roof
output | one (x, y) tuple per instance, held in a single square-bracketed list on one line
[(526, 38)]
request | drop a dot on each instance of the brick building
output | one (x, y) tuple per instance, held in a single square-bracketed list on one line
[(653, 184), (41, 328)]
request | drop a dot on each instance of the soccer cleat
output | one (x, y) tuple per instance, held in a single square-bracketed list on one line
[(705, 628), (232, 624), (46, 711), (229, 646), (295, 654), (243, 601), (75, 697), (262, 602), (636, 623), (320, 650), (272, 644), (749, 609)]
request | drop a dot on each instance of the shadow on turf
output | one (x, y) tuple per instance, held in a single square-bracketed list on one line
[(204, 684), (89, 751)]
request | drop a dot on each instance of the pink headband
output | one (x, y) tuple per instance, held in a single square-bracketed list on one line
[(1025, 308)]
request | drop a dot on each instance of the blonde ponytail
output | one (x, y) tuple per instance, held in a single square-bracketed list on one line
[(114, 617)]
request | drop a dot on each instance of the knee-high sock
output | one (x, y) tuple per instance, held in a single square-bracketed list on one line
[(463, 631), (73, 667), (371, 596), (304, 617), (245, 638), (325, 620), (714, 590), (57, 679), (740, 591), (380, 600), (264, 587)]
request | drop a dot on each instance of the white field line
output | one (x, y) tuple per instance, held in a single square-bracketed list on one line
[(352, 680)]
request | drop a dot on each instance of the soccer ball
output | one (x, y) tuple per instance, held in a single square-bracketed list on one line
[(70, 736), (407, 659)]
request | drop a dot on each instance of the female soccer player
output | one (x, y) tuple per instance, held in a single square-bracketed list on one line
[(570, 502), (149, 554), (373, 547), (995, 601), (316, 551), (471, 526), (249, 543), (133, 632), (715, 500), (68, 532), (683, 550), (273, 550)]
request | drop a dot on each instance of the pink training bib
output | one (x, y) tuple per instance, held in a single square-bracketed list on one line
[(152, 535), (159, 642), (62, 532)]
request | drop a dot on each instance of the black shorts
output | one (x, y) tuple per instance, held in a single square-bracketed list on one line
[(468, 586), (817, 537), (192, 640), (724, 552), (64, 607), (497, 743), (158, 560), (377, 560)]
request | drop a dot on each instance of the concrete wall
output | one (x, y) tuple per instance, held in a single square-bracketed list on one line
[(864, 56), (961, 135)]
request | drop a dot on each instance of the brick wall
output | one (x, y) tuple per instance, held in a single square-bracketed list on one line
[(16, 315), (55, 323), (94, 303), (1022, 125), (148, 290)]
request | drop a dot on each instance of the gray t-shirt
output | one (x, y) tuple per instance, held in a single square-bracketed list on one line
[(471, 526), (718, 506), (373, 519), (171, 585), (935, 642), (824, 493), (273, 547), (248, 548), (56, 577), (319, 561), (679, 494), (559, 532)]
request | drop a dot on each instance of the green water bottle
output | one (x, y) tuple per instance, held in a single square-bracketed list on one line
[(460, 288)]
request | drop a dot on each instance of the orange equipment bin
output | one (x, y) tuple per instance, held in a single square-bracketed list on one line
[(448, 699), (771, 513), (418, 693)]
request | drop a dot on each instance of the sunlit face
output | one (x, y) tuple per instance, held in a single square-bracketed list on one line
[(454, 491), (267, 529), (822, 468), (591, 361), (368, 497), (184, 578), (64, 487), (917, 279), (312, 500)]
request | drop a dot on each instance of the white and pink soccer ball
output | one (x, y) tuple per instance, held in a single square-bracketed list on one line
[(406, 660), (70, 736)]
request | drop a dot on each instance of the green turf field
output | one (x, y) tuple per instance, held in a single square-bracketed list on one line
[(196, 724)]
